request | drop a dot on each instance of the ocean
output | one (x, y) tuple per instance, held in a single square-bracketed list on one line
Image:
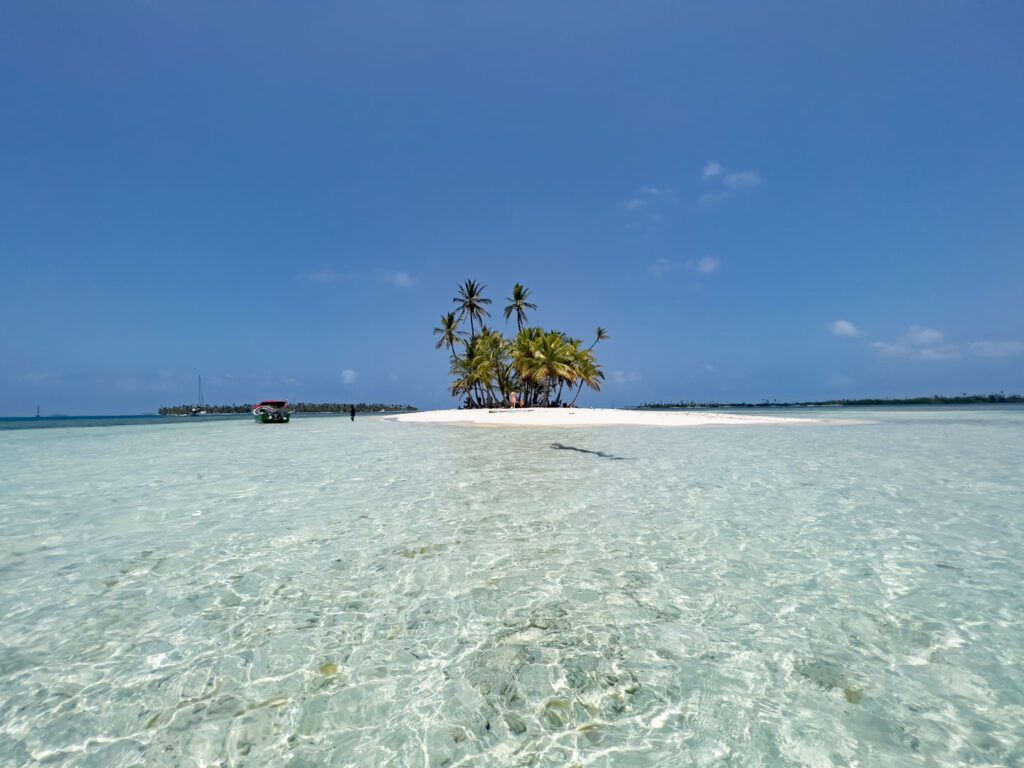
[(222, 593)]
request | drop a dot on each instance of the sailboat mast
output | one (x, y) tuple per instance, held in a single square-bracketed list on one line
[(200, 391)]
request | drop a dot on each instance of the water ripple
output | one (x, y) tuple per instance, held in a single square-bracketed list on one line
[(366, 594)]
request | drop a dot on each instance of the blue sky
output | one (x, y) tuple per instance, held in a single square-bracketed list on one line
[(758, 200)]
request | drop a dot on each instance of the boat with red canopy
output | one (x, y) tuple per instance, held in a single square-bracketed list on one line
[(272, 412)]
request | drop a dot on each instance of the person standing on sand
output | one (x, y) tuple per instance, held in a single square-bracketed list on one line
[(512, 399), (352, 412)]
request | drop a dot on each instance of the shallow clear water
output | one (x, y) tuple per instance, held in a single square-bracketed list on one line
[(330, 593)]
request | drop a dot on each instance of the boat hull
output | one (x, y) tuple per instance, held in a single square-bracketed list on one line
[(273, 418), (272, 412)]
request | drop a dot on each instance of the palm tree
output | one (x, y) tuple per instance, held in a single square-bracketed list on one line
[(538, 364), (492, 366), (522, 353), (471, 303), (464, 379), (519, 305), (587, 372), (549, 364), (449, 332)]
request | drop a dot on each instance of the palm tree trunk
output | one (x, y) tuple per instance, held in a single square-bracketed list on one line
[(578, 390)]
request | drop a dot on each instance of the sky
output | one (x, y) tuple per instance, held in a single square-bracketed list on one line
[(788, 201)]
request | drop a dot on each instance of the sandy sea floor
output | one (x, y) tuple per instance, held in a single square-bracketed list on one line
[(379, 593), (591, 417)]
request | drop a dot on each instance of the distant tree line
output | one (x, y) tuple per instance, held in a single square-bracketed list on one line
[(184, 410), (999, 399)]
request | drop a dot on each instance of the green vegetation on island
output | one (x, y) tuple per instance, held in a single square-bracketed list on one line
[(994, 399), (537, 367), (185, 410)]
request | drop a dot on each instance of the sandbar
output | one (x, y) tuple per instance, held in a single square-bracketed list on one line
[(588, 417)]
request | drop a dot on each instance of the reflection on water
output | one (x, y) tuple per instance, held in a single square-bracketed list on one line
[(385, 594)]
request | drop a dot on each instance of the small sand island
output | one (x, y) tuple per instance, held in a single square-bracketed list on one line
[(535, 378), (586, 417)]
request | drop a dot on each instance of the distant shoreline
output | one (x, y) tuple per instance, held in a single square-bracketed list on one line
[(143, 419), (1017, 400), (246, 408), (999, 399)]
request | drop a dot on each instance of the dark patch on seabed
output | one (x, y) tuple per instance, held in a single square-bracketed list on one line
[(602, 454)]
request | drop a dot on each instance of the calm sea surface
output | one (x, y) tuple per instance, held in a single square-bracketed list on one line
[(329, 593)]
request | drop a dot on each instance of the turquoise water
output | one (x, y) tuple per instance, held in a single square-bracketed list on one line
[(371, 593)]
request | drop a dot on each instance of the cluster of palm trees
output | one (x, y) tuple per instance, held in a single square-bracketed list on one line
[(536, 368)]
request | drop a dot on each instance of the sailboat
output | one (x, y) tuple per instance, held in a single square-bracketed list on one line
[(198, 409)]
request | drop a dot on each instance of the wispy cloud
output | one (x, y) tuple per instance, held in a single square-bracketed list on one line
[(742, 180), (645, 197), (625, 377), (711, 169), (918, 343), (326, 276), (348, 376), (722, 182), (704, 265), (997, 348), (398, 279), (844, 328), (661, 267), (922, 343)]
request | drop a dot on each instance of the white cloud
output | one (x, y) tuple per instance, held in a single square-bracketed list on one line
[(997, 348), (705, 265), (922, 337), (724, 183), (844, 328), (398, 279), (742, 180), (711, 169), (644, 197), (918, 343), (625, 377), (348, 376), (661, 267)]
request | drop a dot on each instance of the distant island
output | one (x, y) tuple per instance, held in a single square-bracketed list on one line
[(999, 399), (185, 410)]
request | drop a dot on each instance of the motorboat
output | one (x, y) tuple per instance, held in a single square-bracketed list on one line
[(272, 412)]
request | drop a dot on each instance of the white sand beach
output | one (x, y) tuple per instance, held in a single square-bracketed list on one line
[(588, 417)]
